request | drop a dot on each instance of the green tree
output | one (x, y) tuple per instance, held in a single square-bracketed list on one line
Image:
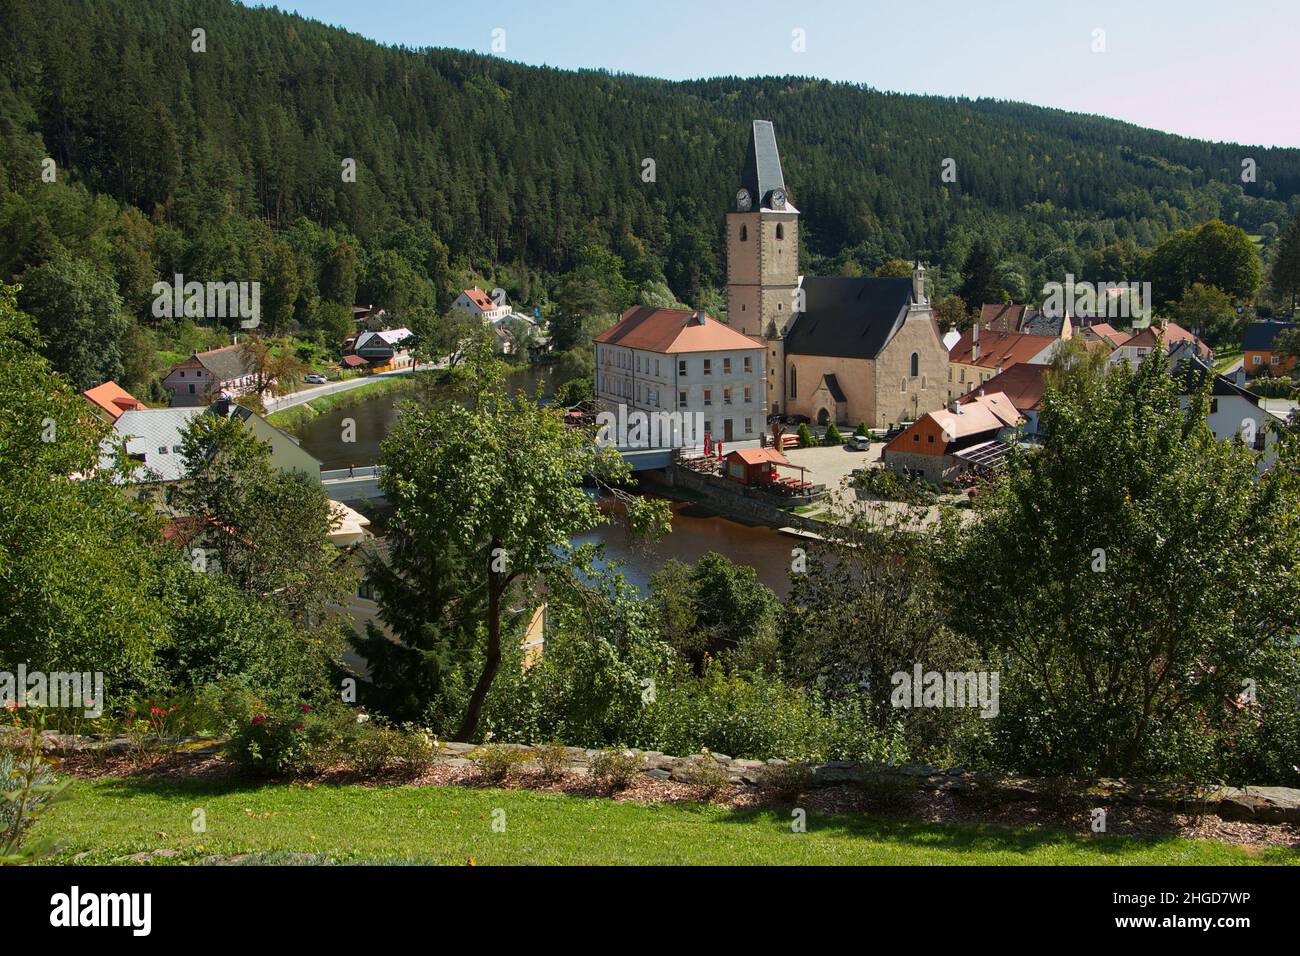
[(1285, 273), (81, 317), (1127, 616), (1209, 313), (979, 283), (498, 480)]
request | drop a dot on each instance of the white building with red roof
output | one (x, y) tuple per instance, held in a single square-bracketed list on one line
[(676, 360), (479, 304)]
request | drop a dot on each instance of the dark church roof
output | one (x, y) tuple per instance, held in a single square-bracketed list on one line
[(833, 386), (847, 317), (762, 163)]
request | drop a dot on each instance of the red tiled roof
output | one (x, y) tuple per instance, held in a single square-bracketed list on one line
[(999, 348), (671, 331), (1003, 318), (1171, 332), (112, 398), (756, 456), (1023, 385), (354, 361), (1106, 332), (984, 413), (480, 298)]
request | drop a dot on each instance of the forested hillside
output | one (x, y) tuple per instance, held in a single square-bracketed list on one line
[(227, 164)]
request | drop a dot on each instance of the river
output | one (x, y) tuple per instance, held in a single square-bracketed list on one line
[(695, 530)]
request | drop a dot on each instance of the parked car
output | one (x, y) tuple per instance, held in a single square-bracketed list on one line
[(896, 430), (315, 378), (859, 442)]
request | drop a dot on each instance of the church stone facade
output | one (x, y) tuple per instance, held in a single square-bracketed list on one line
[(841, 350)]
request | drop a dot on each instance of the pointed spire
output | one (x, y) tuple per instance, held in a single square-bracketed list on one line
[(762, 172)]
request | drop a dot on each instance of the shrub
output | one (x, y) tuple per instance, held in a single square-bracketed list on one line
[(495, 761), (27, 789), (833, 436), (290, 739), (377, 748), (888, 791), (786, 780), (615, 769), (805, 437), (707, 775), (862, 430), (551, 757)]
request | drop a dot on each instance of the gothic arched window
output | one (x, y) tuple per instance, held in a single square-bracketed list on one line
[(780, 231), (916, 364), (794, 382), (744, 234)]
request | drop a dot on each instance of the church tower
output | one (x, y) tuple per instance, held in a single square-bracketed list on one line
[(763, 256)]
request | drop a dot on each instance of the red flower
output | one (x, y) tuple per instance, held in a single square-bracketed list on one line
[(297, 726), (156, 710), (258, 718), (304, 708)]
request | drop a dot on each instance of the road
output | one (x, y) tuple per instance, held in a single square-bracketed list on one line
[(293, 399)]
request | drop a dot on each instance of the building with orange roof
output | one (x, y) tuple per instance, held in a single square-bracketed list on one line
[(479, 304), (110, 400), (943, 444), (979, 355), (676, 360), (1169, 335), (1023, 384)]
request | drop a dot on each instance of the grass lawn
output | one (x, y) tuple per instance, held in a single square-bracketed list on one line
[(113, 817)]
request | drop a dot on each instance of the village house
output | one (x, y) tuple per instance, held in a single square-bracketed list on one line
[(1102, 334), (478, 304), (1259, 355), (944, 444), (378, 351), (1233, 412), (205, 377), (676, 360), (1011, 317), (110, 400), (153, 436), (981, 354), (1023, 384), (1169, 335), (843, 350)]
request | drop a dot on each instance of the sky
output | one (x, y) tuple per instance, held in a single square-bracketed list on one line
[(1208, 69)]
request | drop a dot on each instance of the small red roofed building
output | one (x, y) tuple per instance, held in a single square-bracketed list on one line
[(981, 353), (1171, 336), (480, 305), (110, 400), (943, 444), (1023, 385)]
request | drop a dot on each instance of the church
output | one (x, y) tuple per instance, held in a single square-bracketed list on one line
[(842, 350)]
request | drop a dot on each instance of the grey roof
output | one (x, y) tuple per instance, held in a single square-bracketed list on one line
[(848, 317), (148, 431), (762, 163), (1260, 335), (1039, 323), (1190, 375), (225, 364)]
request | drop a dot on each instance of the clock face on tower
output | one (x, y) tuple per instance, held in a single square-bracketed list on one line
[(778, 198), (742, 200)]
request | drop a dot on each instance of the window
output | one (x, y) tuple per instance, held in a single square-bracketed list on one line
[(681, 366), (162, 450), (744, 234), (749, 364), (191, 389), (916, 436), (183, 370), (708, 427), (681, 399), (749, 394), (708, 366), (656, 368), (638, 363), (708, 396), (902, 385), (726, 366), (749, 425), (916, 364), (726, 395), (1273, 360), (780, 231), (963, 375), (1254, 359), (930, 439), (794, 382), (950, 373)]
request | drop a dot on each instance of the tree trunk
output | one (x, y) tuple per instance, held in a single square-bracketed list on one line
[(470, 722)]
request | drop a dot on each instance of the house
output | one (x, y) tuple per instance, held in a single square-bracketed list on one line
[(1011, 317), (676, 360), (1233, 411), (838, 349), (1259, 353), (368, 316), (1170, 336), (981, 354), (152, 440), (205, 377), (1023, 384), (1102, 334), (381, 351), (110, 400), (754, 466), (481, 305), (943, 444)]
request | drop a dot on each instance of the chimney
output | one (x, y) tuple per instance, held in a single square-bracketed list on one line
[(975, 343)]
